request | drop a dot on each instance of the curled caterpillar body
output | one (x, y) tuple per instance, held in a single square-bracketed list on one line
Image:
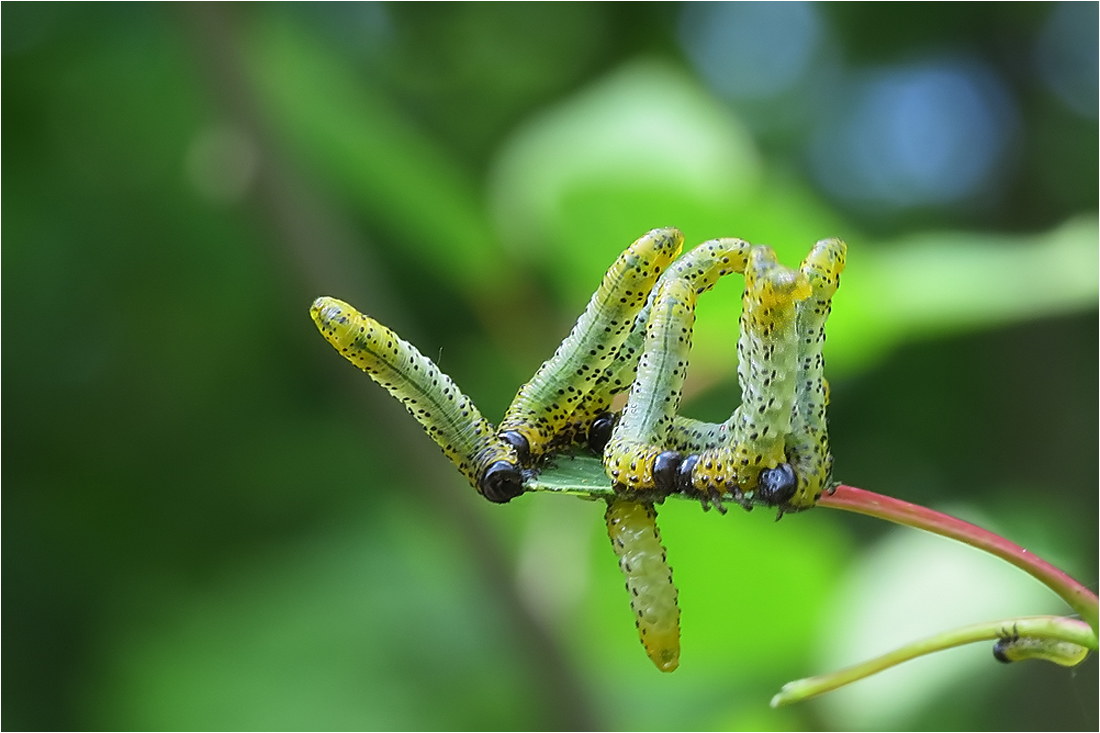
[(544, 412), (446, 414), (1015, 648), (767, 368), (808, 444), (632, 528), (636, 458)]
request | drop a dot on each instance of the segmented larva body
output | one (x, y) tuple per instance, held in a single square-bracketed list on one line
[(632, 528), (808, 444), (701, 268), (696, 436), (539, 418), (636, 456), (446, 414), (1015, 648), (767, 365)]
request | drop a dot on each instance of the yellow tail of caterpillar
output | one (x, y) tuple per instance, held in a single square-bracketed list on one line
[(635, 458), (632, 528), (1012, 647), (753, 463), (446, 414), (808, 443), (539, 418)]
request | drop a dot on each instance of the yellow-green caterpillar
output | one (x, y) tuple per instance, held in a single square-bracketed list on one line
[(700, 268), (808, 444), (446, 414), (542, 416), (1015, 648), (751, 463), (632, 528), (635, 457)]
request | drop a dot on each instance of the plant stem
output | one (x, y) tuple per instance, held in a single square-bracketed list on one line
[(851, 499), (1054, 627)]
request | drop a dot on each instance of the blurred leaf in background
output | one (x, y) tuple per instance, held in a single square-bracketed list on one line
[(212, 522)]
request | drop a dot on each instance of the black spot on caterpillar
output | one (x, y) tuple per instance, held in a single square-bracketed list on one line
[(1015, 648), (635, 458), (632, 528), (446, 414), (543, 417)]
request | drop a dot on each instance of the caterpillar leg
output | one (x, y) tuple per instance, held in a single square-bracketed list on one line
[(635, 457), (541, 418), (632, 528), (808, 444), (448, 416)]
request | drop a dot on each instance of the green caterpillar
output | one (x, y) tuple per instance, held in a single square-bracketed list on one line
[(632, 528), (446, 414), (542, 416), (808, 444), (701, 268), (1015, 648), (635, 456), (746, 456)]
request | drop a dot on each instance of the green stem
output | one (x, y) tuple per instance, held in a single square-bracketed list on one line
[(1052, 627), (851, 499)]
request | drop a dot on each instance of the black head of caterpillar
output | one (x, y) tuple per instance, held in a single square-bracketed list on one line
[(599, 432), (446, 414)]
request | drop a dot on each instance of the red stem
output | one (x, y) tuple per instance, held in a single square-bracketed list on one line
[(851, 499)]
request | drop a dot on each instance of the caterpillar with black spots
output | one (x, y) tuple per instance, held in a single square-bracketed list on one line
[(1012, 647), (446, 414), (808, 444), (542, 417), (809, 462), (632, 528), (701, 268), (635, 457), (750, 459)]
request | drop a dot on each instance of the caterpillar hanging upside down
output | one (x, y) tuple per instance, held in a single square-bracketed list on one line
[(635, 334)]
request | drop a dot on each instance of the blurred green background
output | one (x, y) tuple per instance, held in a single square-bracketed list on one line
[(212, 521)]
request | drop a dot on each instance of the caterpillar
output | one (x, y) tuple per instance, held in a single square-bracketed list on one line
[(701, 268), (540, 417), (446, 414), (752, 462), (635, 457), (1015, 648), (632, 529), (808, 444)]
